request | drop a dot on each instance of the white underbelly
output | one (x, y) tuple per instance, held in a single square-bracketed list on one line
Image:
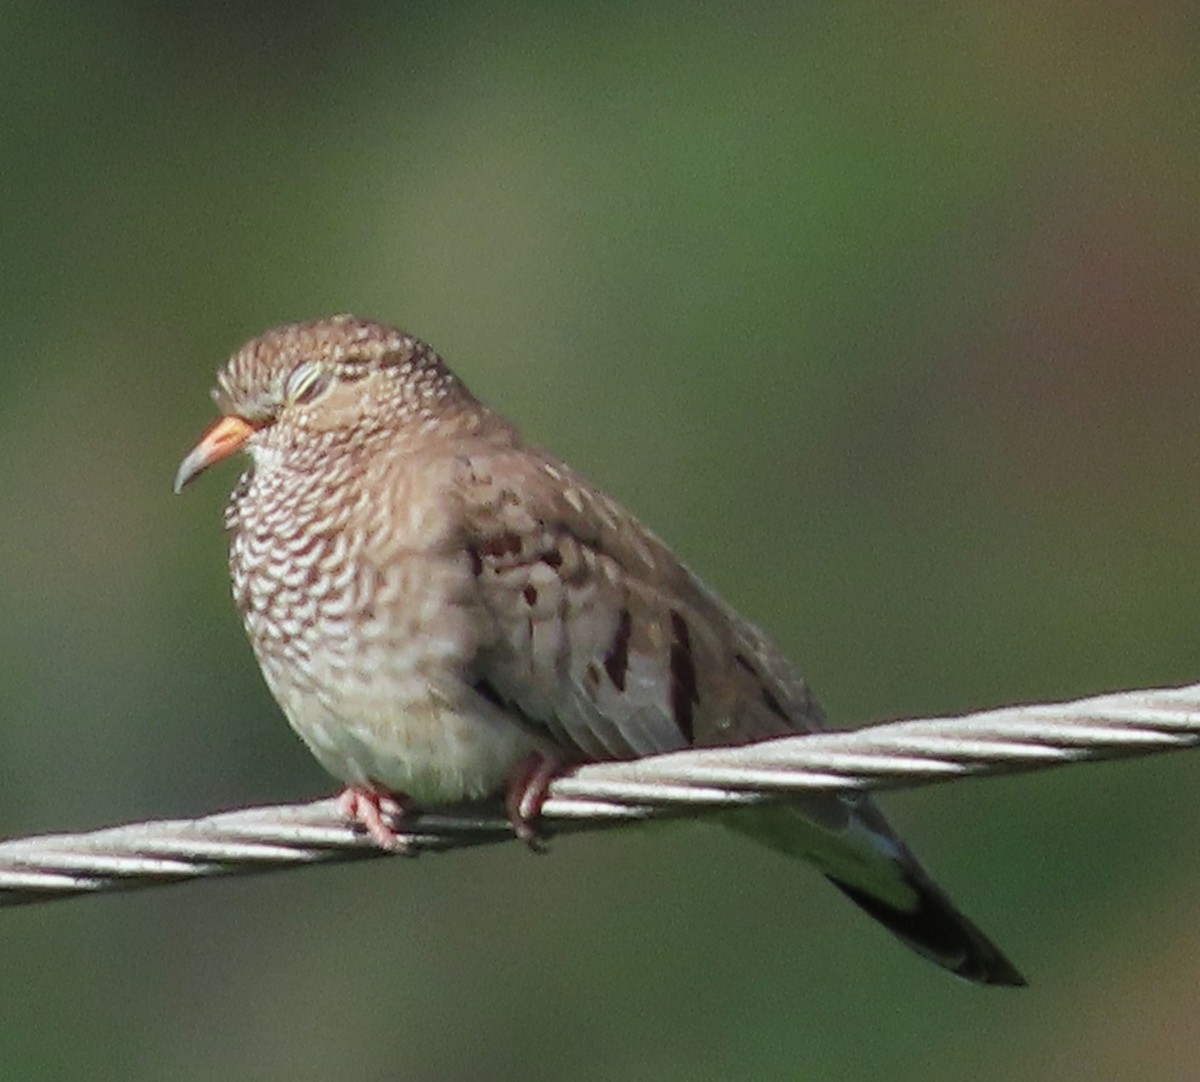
[(430, 749)]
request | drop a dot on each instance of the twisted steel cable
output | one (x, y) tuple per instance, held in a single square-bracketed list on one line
[(892, 755)]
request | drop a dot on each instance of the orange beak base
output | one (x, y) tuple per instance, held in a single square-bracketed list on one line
[(219, 442)]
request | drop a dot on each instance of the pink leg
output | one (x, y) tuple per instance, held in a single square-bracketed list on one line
[(367, 807), (528, 786)]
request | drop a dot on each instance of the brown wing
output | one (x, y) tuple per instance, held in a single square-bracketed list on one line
[(600, 634)]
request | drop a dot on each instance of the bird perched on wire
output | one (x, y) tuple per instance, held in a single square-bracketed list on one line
[(445, 612)]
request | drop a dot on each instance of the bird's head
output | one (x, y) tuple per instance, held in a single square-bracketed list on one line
[(310, 388)]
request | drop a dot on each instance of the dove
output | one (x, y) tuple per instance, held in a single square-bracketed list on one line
[(445, 612)]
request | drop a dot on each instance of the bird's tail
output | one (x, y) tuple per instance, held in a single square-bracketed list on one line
[(849, 840)]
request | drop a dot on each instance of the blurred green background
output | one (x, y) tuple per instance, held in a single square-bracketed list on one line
[(884, 314)]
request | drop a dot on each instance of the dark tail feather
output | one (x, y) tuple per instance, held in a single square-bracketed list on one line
[(935, 929), (849, 840)]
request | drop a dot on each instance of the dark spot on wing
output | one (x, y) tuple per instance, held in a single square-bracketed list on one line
[(616, 662), (773, 703), (684, 695), (488, 692), (476, 560), (768, 696), (552, 558), (530, 595)]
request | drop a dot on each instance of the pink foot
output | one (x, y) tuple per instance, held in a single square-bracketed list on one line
[(367, 808), (528, 786)]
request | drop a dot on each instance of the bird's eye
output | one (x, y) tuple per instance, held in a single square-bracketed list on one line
[(305, 383)]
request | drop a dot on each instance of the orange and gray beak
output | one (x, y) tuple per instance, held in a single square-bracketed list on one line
[(219, 442)]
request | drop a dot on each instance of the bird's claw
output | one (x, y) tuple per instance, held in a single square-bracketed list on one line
[(528, 787), (367, 808)]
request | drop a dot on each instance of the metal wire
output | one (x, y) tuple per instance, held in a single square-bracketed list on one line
[(892, 755)]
